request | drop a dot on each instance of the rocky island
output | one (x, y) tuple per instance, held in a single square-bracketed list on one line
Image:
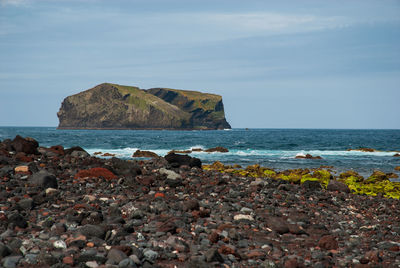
[(112, 106)]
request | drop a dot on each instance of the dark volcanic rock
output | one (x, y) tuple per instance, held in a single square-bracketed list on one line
[(338, 186), (44, 179), (177, 160), (26, 145)]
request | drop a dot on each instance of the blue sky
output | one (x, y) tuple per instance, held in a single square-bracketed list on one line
[(277, 64)]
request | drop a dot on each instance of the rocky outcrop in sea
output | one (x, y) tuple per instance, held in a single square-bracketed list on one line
[(112, 106), (64, 208)]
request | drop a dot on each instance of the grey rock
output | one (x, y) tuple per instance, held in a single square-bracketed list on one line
[(44, 179), (4, 250), (116, 256), (11, 261), (150, 255), (213, 255), (127, 263), (90, 230), (17, 220), (26, 204)]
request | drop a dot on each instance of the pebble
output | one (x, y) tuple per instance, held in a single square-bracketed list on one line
[(162, 215), (243, 217)]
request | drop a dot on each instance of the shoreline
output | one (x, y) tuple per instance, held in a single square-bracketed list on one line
[(64, 207)]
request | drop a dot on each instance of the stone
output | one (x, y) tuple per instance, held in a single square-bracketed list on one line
[(150, 255), (116, 255), (170, 174), (17, 220), (217, 149), (212, 255), (177, 160), (92, 264), (243, 217), (338, 186), (191, 205), (139, 153), (23, 169), (44, 179), (26, 203), (90, 230), (312, 185), (396, 155), (59, 244), (26, 145), (277, 224), (127, 263), (11, 261), (307, 156), (4, 250), (97, 172), (328, 242)]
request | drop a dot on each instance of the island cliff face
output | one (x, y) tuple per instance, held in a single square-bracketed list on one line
[(111, 106)]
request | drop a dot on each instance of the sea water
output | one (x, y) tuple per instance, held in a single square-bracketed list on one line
[(274, 148)]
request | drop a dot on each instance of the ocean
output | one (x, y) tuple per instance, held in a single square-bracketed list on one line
[(273, 148)]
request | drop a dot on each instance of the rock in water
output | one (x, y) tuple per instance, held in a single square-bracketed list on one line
[(123, 107)]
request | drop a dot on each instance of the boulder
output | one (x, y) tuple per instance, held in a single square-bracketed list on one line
[(338, 186), (27, 145), (363, 149), (140, 153), (97, 172), (44, 179), (307, 156), (217, 149), (177, 160), (396, 155)]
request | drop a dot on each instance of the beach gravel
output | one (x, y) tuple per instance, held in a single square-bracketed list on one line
[(171, 213)]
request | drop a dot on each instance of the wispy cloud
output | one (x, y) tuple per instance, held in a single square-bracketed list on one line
[(13, 2)]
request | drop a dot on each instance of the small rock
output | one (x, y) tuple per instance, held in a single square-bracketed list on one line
[(277, 224), (92, 264), (150, 255), (11, 261), (44, 179), (90, 230), (60, 244), (126, 263), (22, 169), (338, 186), (328, 242), (26, 204), (116, 255), (243, 217), (213, 255)]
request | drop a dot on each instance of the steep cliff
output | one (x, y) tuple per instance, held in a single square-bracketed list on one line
[(112, 106)]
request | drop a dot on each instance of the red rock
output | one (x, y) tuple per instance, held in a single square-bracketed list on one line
[(224, 249), (214, 237), (291, 263), (372, 256), (68, 260), (96, 173), (255, 254), (328, 242), (159, 195), (146, 180)]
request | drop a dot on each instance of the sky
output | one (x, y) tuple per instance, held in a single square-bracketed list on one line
[(277, 64)]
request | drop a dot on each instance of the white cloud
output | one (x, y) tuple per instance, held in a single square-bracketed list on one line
[(13, 2)]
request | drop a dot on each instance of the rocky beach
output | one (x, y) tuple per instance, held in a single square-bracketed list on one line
[(62, 207)]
